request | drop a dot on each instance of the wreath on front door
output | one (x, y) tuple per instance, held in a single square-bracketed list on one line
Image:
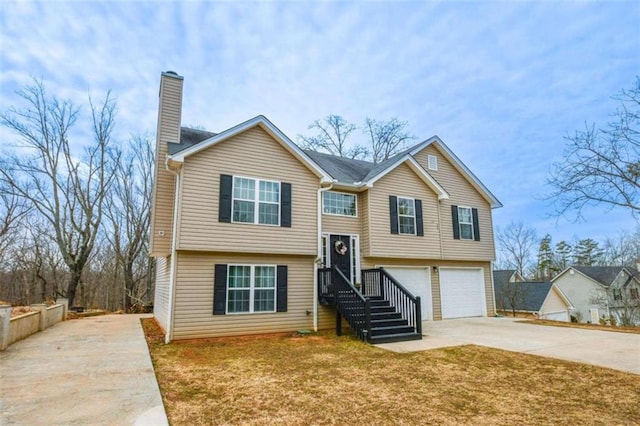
[(340, 247)]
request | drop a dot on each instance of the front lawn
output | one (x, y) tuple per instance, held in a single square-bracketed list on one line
[(325, 379)]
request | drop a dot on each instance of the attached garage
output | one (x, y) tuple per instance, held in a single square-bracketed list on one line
[(462, 292), (556, 316), (417, 281)]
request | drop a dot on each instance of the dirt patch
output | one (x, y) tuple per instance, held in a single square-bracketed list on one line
[(324, 379)]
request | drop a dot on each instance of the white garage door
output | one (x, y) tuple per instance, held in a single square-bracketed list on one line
[(556, 316), (462, 293), (416, 281)]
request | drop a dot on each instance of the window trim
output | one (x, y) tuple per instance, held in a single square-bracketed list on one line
[(415, 223), (432, 162), (252, 288), (355, 198), (256, 201), (460, 223)]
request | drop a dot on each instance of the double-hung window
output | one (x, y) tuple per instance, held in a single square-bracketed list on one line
[(465, 221), (337, 203), (406, 216), (251, 288), (256, 201)]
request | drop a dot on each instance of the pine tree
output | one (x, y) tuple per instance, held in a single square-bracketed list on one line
[(562, 257), (587, 253), (545, 259)]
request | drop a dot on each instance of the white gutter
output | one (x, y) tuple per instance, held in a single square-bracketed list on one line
[(174, 262), (319, 256)]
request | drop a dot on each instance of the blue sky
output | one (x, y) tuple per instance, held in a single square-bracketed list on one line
[(501, 83)]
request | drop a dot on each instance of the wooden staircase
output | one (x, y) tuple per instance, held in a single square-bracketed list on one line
[(381, 311)]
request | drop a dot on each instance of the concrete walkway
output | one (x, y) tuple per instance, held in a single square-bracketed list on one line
[(93, 371), (619, 351)]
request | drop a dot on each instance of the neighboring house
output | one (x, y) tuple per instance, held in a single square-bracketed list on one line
[(599, 292), (540, 299), (245, 226)]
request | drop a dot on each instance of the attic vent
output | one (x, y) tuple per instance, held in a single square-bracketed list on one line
[(433, 162)]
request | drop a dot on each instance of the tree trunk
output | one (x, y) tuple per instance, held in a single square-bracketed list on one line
[(74, 280)]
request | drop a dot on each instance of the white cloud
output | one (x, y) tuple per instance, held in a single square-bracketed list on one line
[(500, 82)]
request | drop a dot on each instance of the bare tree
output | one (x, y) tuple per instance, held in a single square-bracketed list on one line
[(510, 296), (333, 132), (602, 166), (12, 210), (68, 192), (622, 250), (386, 138), (516, 244), (129, 215)]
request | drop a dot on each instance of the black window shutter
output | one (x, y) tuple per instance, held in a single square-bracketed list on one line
[(285, 205), (456, 224), (476, 225), (220, 290), (419, 224), (224, 206), (393, 213), (281, 296)]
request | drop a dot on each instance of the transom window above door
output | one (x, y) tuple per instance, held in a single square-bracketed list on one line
[(339, 203)]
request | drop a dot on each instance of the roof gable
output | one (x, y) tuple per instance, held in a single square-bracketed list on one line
[(268, 127), (459, 166), (604, 275)]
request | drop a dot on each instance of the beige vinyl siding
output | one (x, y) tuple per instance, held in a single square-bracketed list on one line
[(372, 262), (252, 154), (461, 193), (169, 115), (335, 224), (194, 297), (364, 212), (553, 303), (162, 288), (402, 182)]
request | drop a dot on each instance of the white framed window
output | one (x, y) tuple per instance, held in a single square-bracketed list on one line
[(432, 162), (339, 203), (465, 222), (406, 216), (251, 289), (256, 201)]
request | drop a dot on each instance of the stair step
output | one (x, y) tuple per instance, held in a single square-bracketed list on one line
[(385, 315), (398, 337), (380, 302), (380, 331), (377, 309), (394, 322)]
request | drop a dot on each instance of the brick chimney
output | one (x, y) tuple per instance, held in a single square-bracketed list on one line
[(169, 117)]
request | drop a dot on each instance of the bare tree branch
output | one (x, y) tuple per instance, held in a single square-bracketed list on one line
[(602, 166)]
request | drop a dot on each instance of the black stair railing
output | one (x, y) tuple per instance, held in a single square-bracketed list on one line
[(325, 289), (378, 283), (335, 288)]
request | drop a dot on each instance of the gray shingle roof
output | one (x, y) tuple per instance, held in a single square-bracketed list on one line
[(188, 138), (602, 274), (344, 170), (502, 277), (532, 294)]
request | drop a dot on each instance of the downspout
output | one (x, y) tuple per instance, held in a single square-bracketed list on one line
[(174, 262), (318, 260)]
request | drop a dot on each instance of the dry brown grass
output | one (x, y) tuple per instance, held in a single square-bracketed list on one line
[(618, 329), (338, 380)]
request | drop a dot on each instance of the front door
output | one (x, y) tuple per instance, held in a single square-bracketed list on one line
[(340, 247)]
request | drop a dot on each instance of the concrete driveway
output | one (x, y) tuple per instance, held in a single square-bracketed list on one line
[(90, 371), (620, 351)]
